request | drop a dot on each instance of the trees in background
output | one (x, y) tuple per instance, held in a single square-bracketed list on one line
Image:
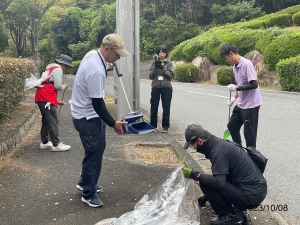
[(3, 34), (75, 26)]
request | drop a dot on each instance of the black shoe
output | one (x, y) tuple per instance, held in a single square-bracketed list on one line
[(202, 200), (228, 219), (164, 130), (246, 218)]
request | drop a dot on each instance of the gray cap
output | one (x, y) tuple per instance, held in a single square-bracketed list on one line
[(65, 59), (195, 131)]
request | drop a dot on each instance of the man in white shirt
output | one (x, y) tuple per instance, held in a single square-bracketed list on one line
[(90, 115)]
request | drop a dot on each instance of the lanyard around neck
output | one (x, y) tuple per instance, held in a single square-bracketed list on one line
[(103, 63)]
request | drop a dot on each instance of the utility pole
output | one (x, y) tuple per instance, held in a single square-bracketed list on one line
[(127, 19)]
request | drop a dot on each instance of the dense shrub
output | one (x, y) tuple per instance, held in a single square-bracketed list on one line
[(281, 20), (177, 53), (225, 75), (243, 39), (13, 73), (283, 47), (186, 73), (73, 70), (267, 36), (296, 19), (289, 74), (80, 49), (193, 49), (255, 24), (290, 10)]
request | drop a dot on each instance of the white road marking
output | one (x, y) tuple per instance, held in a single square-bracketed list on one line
[(195, 92)]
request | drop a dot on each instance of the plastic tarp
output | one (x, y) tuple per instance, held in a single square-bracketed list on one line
[(174, 202)]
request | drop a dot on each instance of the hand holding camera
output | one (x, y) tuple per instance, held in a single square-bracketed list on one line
[(157, 62)]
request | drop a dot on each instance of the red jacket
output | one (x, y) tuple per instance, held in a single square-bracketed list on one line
[(48, 93)]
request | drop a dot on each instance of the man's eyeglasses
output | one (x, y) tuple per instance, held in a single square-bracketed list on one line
[(115, 53)]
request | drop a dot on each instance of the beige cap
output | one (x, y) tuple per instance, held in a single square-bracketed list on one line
[(115, 42)]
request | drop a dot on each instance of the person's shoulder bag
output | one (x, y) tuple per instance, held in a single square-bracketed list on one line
[(257, 157)]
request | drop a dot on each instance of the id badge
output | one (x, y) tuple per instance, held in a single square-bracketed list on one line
[(160, 78)]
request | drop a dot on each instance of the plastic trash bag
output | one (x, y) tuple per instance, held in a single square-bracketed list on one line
[(172, 203), (33, 82), (30, 82)]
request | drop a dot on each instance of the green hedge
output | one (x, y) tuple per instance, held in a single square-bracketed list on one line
[(193, 50), (243, 39), (177, 53), (73, 70), (225, 75), (283, 47), (282, 20), (256, 24), (13, 73), (186, 73), (289, 74), (267, 36), (296, 19)]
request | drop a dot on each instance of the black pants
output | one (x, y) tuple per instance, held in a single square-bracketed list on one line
[(166, 96), (49, 123), (248, 118), (92, 135), (222, 201)]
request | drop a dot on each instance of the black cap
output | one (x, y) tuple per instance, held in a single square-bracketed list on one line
[(194, 131)]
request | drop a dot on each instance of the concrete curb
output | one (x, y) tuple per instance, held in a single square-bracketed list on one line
[(11, 141)]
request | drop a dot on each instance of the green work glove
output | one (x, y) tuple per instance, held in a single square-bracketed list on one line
[(187, 172)]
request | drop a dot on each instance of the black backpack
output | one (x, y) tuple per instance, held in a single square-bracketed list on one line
[(259, 159)]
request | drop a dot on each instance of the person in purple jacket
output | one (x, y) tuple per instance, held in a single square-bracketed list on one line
[(247, 95)]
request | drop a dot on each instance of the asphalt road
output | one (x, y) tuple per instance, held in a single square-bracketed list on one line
[(278, 133)]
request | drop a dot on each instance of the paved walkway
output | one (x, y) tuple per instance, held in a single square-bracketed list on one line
[(38, 186)]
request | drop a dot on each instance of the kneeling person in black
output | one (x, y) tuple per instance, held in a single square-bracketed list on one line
[(236, 184)]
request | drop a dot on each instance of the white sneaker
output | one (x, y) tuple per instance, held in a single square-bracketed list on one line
[(61, 147), (47, 145)]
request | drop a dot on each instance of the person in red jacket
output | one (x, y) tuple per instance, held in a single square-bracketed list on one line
[(46, 99)]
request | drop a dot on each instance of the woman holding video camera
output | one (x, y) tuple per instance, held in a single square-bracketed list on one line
[(161, 74)]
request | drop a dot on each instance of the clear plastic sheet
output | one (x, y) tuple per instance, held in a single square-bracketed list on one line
[(174, 202), (33, 82)]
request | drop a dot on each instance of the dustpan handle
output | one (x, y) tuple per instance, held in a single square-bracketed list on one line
[(119, 75)]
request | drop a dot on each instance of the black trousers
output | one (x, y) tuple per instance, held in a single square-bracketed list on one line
[(222, 201), (49, 123), (166, 96), (92, 136), (248, 118)]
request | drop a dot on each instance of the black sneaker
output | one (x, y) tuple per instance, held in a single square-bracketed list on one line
[(94, 201), (227, 219), (246, 218), (164, 130)]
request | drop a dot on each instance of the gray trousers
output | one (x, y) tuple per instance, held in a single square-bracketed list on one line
[(49, 123)]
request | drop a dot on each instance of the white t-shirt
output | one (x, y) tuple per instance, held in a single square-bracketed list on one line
[(89, 83)]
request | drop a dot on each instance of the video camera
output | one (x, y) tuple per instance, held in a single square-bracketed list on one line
[(157, 62)]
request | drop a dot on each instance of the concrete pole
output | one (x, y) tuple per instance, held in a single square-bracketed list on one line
[(127, 19)]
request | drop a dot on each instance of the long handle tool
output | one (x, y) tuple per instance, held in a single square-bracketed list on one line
[(227, 132)]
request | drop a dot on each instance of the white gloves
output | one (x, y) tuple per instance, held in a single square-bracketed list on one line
[(231, 88), (231, 101)]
